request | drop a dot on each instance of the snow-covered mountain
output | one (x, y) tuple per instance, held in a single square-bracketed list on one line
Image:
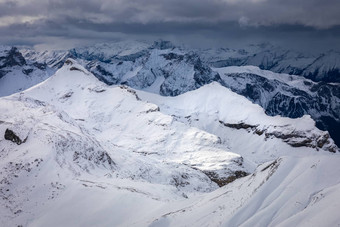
[(168, 70), (317, 67), (17, 73), (325, 67), (287, 95), (53, 58), (73, 146)]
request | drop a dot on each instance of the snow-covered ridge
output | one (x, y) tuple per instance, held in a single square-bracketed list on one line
[(318, 67), (235, 111), (76, 127), (287, 95), (108, 51), (74, 84), (169, 70), (86, 144)]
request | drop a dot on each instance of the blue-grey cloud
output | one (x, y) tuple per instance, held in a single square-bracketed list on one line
[(209, 21)]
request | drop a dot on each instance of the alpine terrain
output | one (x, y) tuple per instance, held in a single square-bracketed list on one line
[(169, 70), (148, 113), (164, 150)]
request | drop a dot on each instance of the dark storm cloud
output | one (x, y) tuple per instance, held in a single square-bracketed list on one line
[(207, 21)]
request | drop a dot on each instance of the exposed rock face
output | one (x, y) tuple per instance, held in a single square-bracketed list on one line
[(221, 181), (320, 100), (41, 66), (293, 138), (18, 73), (104, 75), (177, 82), (203, 74), (12, 58), (163, 45), (10, 135)]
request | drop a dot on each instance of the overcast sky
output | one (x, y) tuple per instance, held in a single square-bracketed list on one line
[(306, 24)]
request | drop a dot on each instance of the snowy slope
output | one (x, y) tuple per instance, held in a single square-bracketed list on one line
[(103, 119), (108, 155), (287, 95), (325, 68), (72, 129), (291, 191), (15, 80), (17, 74), (215, 108)]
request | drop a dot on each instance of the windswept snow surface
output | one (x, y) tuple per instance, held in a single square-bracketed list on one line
[(77, 152), (291, 191), (16, 81)]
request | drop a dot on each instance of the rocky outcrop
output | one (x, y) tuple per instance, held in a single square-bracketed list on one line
[(131, 91), (222, 181), (12, 58), (20, 73), (162, 45), (289, 136), (10, 135)]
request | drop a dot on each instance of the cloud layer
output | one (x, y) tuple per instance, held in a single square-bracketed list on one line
[(33, 21)]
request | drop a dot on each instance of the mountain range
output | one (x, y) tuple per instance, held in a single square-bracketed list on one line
[(317, 67), (170, 70), (76, 151)]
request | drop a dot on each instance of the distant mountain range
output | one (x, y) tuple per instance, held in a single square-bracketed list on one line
[(166, 69), (318, 67)]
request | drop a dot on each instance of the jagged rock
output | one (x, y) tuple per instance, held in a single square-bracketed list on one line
[(133, 92), (27, 71), (41, 66), (76, 69), (239, 125), (173, 56), (103, 75), (12, 58), (69, 62), (294, 139), (163, 45), (10, 135), (222, 181)]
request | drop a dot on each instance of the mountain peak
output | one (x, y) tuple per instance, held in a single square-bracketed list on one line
[(10, 56), (163, 44), (72, 65)]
